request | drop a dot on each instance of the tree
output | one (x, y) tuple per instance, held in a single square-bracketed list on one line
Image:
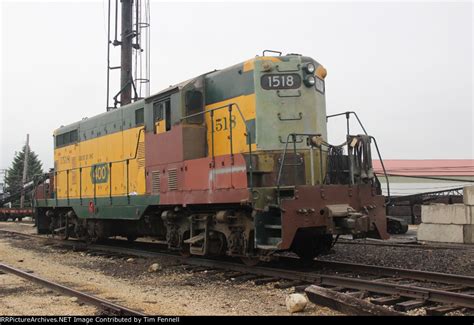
[(14, 175)]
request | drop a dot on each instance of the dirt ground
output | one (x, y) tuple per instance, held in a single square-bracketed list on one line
[(170, 291), (20, 297)]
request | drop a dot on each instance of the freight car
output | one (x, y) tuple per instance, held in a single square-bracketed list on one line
[(8, 208), (15, 213), (233, 162)]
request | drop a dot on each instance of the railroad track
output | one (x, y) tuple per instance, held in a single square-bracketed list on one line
[(375, 242), (399, 289), (102, 304)]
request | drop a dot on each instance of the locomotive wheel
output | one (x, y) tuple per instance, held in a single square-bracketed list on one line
[(62, 228), (250, 261), (306, 254), (90, 239), (64, 234), (313, 247), (184, 252), (131, 238), (185, 249)]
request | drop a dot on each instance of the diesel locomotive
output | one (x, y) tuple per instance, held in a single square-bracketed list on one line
[(233, 162)]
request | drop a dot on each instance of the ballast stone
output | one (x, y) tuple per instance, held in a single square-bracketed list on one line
[(155, 267), (296, 302)]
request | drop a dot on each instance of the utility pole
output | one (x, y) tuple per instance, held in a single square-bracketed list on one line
[(25, 171), (126, 53), (3, 174), (134, 45)]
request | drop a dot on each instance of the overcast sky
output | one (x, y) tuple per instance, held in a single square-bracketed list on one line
[(406, 68)]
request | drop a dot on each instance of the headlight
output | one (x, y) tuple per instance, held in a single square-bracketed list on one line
[(309, 81), (310, 68)]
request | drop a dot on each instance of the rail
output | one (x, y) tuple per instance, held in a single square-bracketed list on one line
[(92, 300), (295, 164), (247, 133)]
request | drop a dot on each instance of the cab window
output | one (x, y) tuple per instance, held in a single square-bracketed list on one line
[(139, 117), (66, 138), (194, 106), (162, 112)]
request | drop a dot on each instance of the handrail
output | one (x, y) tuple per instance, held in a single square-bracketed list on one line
[(282, 162), (247, 132), (384, 171), (347, 114)]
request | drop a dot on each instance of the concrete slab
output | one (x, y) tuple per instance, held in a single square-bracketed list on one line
[(468, 195), (469, 234), (470, 214), (458, 214), (441, 233)]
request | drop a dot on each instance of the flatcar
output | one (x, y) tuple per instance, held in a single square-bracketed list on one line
[(233, 162), (15, 213)]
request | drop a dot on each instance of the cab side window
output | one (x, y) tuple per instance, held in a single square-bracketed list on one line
[(194, 106), (157, 112), (162, 112), (139, 117), (66, 138)]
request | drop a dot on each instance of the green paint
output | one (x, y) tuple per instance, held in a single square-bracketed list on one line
[(100, 173), (113, 121), (228, 83), (281, 112), (117, 207)]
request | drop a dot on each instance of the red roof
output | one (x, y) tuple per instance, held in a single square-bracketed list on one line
[(429, 167)]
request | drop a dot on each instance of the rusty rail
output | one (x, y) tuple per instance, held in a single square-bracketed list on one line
[(404, 273), (86, 298)]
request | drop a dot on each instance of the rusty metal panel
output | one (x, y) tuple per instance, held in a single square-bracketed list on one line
[(165, 147), (308, 208), (194, 142), (198, 182)]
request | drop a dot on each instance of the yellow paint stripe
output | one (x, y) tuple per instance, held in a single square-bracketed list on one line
[(249, 65)]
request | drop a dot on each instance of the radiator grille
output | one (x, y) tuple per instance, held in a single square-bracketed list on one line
[(172, 179), (141, 155), (155, 181)]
